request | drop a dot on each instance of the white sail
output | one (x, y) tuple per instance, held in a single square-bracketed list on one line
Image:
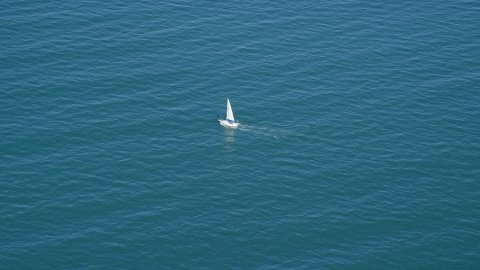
[(229, 112)]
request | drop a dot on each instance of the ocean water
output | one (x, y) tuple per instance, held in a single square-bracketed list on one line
[(358, 146)]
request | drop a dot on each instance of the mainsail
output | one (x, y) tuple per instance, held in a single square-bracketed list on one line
[(229, 112)]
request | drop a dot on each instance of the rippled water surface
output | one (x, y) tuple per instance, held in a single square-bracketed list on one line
[(358, 146)]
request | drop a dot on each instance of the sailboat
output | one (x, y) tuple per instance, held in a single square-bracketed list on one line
[(229, 121)]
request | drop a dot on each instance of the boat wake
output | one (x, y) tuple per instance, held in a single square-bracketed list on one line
[(266, 131)]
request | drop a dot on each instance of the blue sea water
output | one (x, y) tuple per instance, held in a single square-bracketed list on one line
[(358, 146)]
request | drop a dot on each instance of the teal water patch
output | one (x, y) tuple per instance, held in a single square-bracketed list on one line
[(357, 146)]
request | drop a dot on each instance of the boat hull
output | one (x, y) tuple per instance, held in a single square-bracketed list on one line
[(225, 123)]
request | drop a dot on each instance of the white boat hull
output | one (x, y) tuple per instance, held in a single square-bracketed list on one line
[(225, 123)]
